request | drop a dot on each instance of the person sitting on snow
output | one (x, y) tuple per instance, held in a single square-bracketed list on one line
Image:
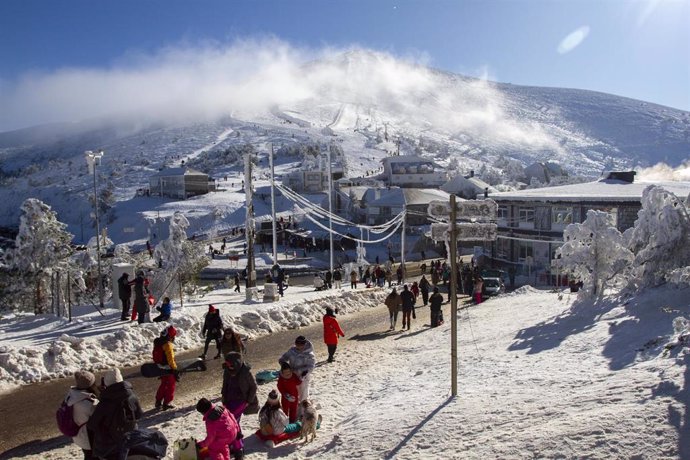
[(221, 430), (165, 310), (318, 282), (272, 419)]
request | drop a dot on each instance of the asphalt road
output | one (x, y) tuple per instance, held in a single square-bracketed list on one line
[(28, 414)]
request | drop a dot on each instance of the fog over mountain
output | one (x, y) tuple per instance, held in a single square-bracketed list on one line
[(146, 111)]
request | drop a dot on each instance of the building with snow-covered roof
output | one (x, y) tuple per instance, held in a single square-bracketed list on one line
[(469, 188), (412, 171), (544, 172), (531, 222), (180, 183), (391, 202)]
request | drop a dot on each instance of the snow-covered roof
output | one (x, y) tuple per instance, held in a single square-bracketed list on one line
[(602, 190), (458, 183), (182, 171), (410, 196)]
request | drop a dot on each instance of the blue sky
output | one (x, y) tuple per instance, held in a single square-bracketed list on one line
[(639, 49)]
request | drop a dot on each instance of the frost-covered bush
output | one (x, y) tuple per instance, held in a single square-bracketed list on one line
[(594, 252)]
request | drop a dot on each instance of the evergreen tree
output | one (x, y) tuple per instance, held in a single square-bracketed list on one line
[(42, 247)]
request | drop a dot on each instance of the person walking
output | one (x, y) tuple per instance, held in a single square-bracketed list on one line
[(232, 341), (424, 287), (394, 303), (237, 282), (408, 300), (124, 292), (331, 332), (238, 393), (329, 279), (478, 288), (212, 330), (302, 361), (82, 398), (221, 430), (436, 300), (165, 310), (337, 278), (164, 354), (116, 413)]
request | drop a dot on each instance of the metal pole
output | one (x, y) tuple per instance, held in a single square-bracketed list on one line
[(453, 300), (94, 158), (273, 209), (249, 228), (402, 243), (69, 296), (330, 207)]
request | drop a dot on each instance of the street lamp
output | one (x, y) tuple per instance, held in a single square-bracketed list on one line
[(93, 159)]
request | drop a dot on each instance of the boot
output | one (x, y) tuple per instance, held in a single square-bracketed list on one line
[(159, 403)]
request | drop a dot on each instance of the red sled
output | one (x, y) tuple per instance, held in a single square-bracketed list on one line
[(276, 438)]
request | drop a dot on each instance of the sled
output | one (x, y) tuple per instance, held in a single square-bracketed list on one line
[(151, 370), (266, 376), (276, 438)]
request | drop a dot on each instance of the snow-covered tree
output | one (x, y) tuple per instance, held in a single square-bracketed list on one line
[(660, 238), (594, 252), (179, 257), (42, 246)]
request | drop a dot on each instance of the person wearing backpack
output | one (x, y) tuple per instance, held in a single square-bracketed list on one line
[(164, 354), (117, 413), (76, 410)]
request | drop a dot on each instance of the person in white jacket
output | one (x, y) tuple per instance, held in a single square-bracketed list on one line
[(83, 398), (302, 361)]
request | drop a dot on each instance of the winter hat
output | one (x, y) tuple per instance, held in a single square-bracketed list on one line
[(171, 332), (301, 340), (203, 405), (284, 365), (112, 376), (329, 311), (84, 379), (273, 396), (211, 308)]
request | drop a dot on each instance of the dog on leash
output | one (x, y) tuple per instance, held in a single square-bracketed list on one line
[(310, 419)]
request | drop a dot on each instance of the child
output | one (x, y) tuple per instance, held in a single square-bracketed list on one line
[(272, 419), (287, 385), (165, 309), (221, 430)]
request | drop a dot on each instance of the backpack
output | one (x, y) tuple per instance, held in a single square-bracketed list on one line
[(65, 420), (158, 352)]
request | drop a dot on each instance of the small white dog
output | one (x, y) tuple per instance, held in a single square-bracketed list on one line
[(310, 418)]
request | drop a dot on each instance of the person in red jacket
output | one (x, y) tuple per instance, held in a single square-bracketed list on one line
[(221, 430), (331, 332), (288, 382)]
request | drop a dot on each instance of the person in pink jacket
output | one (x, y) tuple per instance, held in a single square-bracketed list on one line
[(221, 430)]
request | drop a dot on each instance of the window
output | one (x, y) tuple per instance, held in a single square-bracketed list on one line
[(502, 213), (525, 251), (611, 211), (562, 215), (526, 217)]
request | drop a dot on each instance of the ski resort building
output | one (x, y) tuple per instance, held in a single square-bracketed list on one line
[(412, 171), (391, 202), (469, 188), (531, 222), (180, 183)]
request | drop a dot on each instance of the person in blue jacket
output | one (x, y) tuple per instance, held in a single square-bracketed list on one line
[(165, 310)]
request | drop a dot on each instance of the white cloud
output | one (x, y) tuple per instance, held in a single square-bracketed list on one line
[(573, 40)]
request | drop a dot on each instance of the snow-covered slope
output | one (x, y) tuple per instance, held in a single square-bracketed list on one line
[(370, 105)]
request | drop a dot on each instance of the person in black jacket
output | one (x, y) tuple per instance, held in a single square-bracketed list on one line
[(124, 292), (212, 330), (238, 392), (115, 415), (436, 300), (407, 307)]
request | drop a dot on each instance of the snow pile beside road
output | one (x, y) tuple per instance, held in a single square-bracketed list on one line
[(35, 349)]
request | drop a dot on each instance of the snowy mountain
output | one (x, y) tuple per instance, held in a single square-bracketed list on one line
[(369, 104)]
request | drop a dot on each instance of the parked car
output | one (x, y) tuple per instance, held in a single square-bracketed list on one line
[(493, 286)]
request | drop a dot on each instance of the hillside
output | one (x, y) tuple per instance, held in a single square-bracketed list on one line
[(370, 105)]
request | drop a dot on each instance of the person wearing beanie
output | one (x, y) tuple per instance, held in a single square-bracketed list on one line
[(221, 430), (165, 310), (302, 361), (232, 341), (141, 304), (124, 292), (272, 419), (212, 330), (239, 390), (116, 414), (436, 300), (164, 354), (331, 332), (83, 398), (288, 385)]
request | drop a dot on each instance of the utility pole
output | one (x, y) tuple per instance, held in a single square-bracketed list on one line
[(273, 209), (453, 299), (249, 228), (402, 243), (330, 207), (93, 159)]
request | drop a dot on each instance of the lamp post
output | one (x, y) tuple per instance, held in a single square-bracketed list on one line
[(93, 159)]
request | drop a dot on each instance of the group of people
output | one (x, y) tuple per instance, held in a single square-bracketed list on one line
[(405, 301), (143, 300)]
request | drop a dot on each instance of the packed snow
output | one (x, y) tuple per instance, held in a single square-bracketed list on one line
[(542, 374)]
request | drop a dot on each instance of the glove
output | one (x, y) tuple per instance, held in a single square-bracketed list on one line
[(304, 373), (176, 373)]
